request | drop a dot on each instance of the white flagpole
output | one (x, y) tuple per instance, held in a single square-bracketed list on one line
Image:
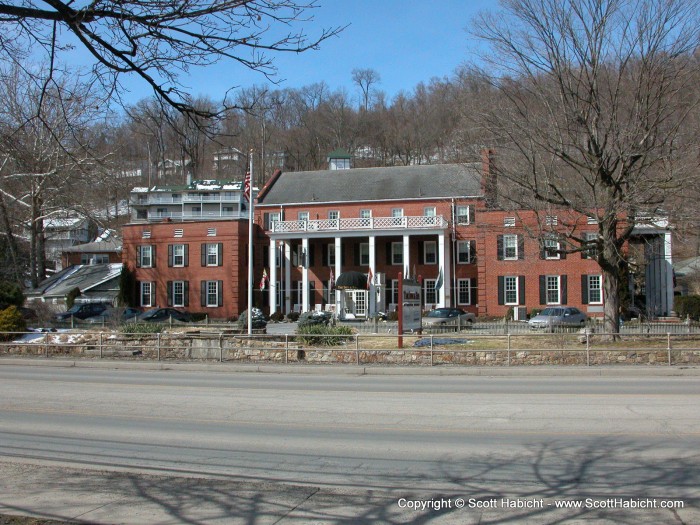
[(250, 250)]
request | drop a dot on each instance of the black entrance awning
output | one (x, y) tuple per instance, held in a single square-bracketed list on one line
[(351, 281)]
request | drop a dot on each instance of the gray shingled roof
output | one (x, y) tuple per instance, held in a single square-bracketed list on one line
[(369, 184)]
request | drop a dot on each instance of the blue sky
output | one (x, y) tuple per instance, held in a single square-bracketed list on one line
[(407, 42)]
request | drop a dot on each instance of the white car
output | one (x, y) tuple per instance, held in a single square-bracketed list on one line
[(449, 316), (556, 317)]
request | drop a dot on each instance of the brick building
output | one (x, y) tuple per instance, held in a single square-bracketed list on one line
[(188, 245)]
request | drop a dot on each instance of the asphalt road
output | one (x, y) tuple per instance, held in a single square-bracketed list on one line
[(144, 446)]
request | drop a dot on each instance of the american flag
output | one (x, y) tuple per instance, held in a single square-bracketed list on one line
[(246, 186)]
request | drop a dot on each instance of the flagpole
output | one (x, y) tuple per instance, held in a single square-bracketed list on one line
[(250, 249)]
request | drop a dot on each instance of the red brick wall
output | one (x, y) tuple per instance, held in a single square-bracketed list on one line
[(233, 271)]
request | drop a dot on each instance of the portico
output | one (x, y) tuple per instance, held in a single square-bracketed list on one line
[(375, 245)]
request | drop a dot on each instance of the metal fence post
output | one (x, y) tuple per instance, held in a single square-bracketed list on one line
[(668, 346), (100, 345), (431, 349), (46, 344), (357, 347), (221, 347), (158, 345), (588, 350), (286, 348), (508, 350)]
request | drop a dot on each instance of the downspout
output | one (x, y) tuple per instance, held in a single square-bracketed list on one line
[(455, 295)]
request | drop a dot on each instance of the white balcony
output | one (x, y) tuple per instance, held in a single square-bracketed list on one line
[(359, 224)]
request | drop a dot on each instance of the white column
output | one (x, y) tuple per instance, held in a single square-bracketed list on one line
[(273, 276), (668, 260), (305, 275), (372, 299), (406, 258), (287, 276), (444, 264), (337, 270)]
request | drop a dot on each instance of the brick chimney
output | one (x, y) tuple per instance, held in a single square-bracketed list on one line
[(489, 179)]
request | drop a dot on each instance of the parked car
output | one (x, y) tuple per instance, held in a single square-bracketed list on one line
[(163, 315), (315, 318), (81, 311), (555, 317), (111, 315), (448, 316)]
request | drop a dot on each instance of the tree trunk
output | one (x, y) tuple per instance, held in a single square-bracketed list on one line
[(614, 265)]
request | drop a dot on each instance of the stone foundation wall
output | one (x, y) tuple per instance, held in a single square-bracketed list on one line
[(270, 350)]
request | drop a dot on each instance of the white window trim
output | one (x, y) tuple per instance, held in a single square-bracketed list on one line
[(469, 291), (397, 212), (547, 289), (509, 222), (365, 214), (505, 247), (142, 292), (181, 303), (396, 248), (333, 212), (150, 256), (599, 278), (430, 294), (209, 284), (467, 244), (430, 211), (303, 216), (175, 256), (434, 252), (215, 254), (462, 219), (557, 247), (515, 279)]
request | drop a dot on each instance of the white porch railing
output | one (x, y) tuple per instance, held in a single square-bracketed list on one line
[(371, 223)]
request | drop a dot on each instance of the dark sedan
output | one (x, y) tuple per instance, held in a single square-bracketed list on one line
[(163, 315), (81, 311)]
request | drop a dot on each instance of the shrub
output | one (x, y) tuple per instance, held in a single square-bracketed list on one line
[(321, 335), (11, 321), (10, 294), (392, 316), (688, 306), (142, 328), (293, 316), (257, 319), (277, 317), (314, 318)]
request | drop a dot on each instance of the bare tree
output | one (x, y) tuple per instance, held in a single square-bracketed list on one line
[(366, 79), (592, 97), (158, 41)]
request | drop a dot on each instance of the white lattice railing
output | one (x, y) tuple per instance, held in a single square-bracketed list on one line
[(372, 223)]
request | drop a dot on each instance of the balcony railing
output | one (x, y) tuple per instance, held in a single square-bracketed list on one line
[(192, 216), (212, 198), (354, 224)]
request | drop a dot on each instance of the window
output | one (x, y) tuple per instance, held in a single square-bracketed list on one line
[(145, 257), (365, 214), (331, 254), (592, 289), (397, 253), (551, 220), (590, 249), (364, 254), (429, 211), (333, 215), (303, 216), (429, 291), (510, 290), (510, 247), (397, 212), (509, 222), (553, 289), (211, 232), (464, 291), (178, 233), (429, 252), (212, 254), (463, 217), (177, 256), (147, 293), (146, 234), (465, 253), (212, 293), (551, 249), (94, 258), (395, 292), (177, 293), (592, 220)]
